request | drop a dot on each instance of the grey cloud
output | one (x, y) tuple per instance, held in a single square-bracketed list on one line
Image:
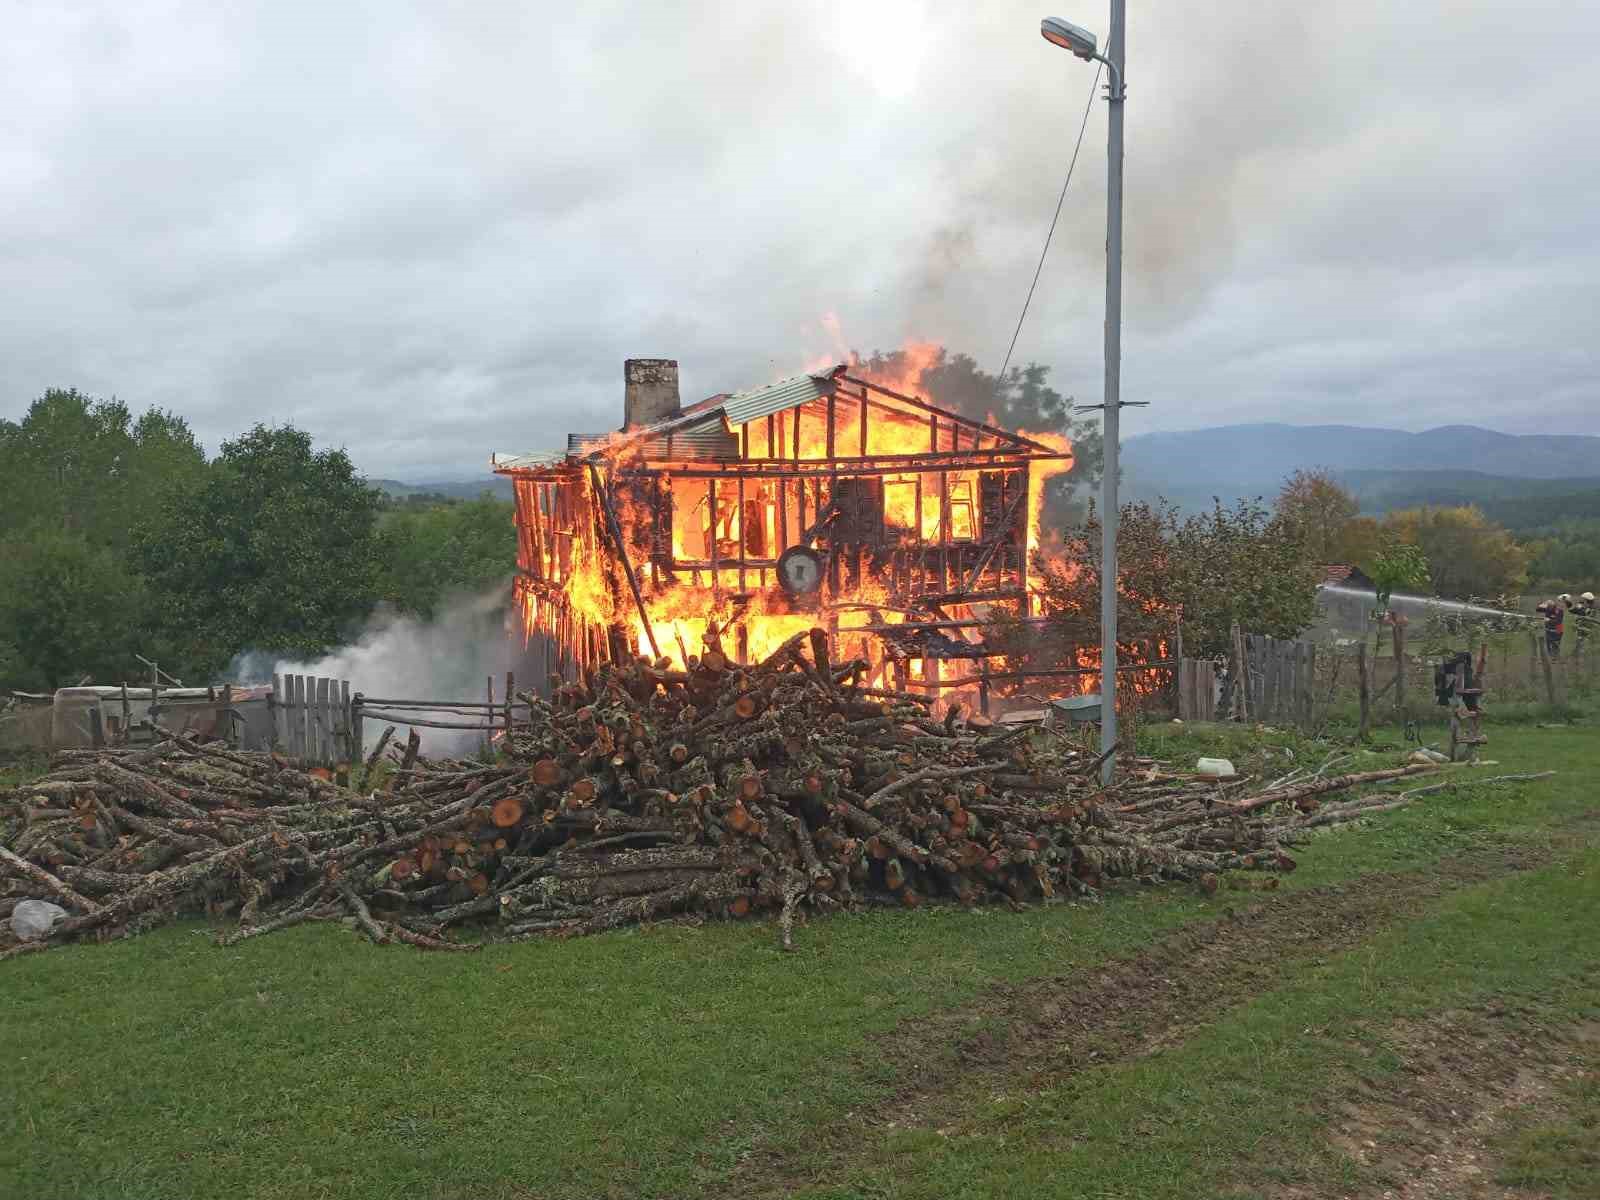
[(429, 231)]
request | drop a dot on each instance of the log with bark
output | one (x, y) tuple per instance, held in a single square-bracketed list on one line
[(636, 793)]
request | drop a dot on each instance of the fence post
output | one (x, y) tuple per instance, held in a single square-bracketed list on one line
[(1237, 676), (1365, 686), (352, 752), (1399, 665), (1311, 685), (324, 732), (300, 718), (1269, 682), (1549, 675), (358, 730), (511, 699)]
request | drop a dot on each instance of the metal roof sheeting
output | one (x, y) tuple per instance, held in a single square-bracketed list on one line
[(790, 393), (702, 437), (527, 462), (701, 433)]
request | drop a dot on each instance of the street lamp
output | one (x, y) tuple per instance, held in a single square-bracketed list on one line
[(1082, 43), (1068, 36)]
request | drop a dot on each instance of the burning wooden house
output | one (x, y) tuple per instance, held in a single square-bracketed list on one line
[(827, 499)]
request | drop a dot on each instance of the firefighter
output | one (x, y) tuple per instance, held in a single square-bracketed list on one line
[(1583, 620), (1554, 626)]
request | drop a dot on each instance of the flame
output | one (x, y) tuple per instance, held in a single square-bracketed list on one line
[(684, 619), (916, 359), (575, 573), (1040, 471)]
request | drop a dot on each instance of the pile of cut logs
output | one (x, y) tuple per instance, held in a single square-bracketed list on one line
[(639, 793)]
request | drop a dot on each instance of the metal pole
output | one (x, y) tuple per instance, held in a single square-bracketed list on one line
[(1113, 395)]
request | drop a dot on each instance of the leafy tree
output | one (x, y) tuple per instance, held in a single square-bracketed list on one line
[(1467, 554), (276, 548), (429, 551), (1358, 543), (75, 462), (1315, 503), (68, 608), (1238, 564), (1567, 553), (1398, 566)]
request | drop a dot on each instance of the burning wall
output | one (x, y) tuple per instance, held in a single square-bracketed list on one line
[(830, 498)]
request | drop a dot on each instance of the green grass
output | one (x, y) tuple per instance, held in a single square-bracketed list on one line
[(18, 769), (1244, 1097), (1559, 1155), (311, 1063)]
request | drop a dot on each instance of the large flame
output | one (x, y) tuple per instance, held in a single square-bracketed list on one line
[(1040, 472), (744, 612)]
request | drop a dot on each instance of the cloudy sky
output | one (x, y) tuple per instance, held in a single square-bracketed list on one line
[(431, 230)]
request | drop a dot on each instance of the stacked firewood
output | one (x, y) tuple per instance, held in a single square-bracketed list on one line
[(638, 793)]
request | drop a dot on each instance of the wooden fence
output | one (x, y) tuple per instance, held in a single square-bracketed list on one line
[(1197, 682), (1265, 679), (312, 720)]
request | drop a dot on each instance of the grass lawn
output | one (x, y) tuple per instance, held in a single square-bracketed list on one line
[(688, 1061)]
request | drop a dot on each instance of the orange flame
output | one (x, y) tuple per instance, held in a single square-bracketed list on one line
[(717, 524)]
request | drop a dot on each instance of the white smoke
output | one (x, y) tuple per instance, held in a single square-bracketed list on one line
[(402, 657)]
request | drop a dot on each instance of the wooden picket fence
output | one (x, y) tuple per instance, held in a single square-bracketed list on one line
[(1196, 681), (1278, 680), (1270, 680), (312, 720)]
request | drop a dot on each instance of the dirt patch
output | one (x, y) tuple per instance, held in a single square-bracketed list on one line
[(1036, 1034), (1429, 1132)]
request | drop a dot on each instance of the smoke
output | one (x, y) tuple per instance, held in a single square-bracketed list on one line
[(403, 657)]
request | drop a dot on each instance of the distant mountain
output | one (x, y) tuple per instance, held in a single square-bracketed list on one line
[(451, 489), (1380, 491), (1387, 468)]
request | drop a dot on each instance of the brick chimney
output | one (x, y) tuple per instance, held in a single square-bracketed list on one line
[(649, 390)]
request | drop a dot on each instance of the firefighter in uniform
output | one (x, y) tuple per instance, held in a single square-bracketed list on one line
[(1554, 626), (1583, 619)]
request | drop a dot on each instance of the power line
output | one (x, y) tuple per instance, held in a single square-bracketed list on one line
[(1084, 124)]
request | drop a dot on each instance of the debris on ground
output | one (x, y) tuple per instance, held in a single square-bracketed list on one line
[(641, 793)]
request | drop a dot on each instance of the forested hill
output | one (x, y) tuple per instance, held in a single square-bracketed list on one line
[(1384, 468)]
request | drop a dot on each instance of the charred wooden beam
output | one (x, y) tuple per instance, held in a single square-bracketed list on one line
[(603, 495)]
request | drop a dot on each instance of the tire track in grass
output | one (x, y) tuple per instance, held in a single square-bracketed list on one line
[(1020, 1037)]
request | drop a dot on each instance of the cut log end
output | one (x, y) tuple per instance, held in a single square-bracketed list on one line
[(508, 812)]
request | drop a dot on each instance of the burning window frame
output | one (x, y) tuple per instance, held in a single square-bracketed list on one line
[(671, 531)]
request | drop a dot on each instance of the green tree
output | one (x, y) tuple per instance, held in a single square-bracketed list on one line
[(1467, 554), (1237, 564), (68, 608), (1398, 566), (75, 462), (430, 551), (276, 548), (1320, 509)]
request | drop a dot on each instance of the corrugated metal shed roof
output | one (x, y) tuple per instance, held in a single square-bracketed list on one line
[(777, 397), (700, 433), (700, 437), (527, 462)]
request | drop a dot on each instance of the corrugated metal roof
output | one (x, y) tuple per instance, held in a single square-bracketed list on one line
[(526, 462), (790, 393), (703, 436), (700, 433)]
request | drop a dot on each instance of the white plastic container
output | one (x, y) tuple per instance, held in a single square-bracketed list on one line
[(1215, 768)]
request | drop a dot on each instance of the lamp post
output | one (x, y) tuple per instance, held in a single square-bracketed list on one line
[(1082, 43)]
